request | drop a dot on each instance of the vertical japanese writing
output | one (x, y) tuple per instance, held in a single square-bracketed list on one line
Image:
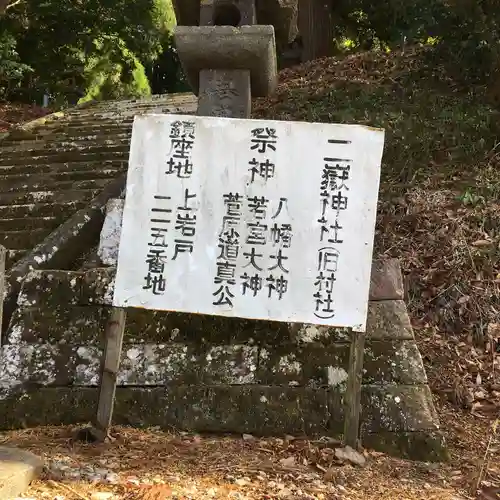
[(263, 141), (182, 136), (251, 279), (334, 200), (222, 96), (179, 163), (229, 247), (185, 225), (281, 240), (157, 251), (267, 238)]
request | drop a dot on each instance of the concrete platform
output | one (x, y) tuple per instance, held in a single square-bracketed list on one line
[(17, 469)]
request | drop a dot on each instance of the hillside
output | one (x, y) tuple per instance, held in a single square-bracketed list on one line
[(439, 202)]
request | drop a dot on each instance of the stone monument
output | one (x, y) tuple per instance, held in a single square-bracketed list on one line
[(282, 14)]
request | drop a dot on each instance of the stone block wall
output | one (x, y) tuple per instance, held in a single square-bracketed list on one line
[(214, 374)]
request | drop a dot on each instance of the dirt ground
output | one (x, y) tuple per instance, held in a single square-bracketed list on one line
[(152, 465)]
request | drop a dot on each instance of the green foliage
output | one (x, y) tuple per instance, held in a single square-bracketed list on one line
[(163, 15), (465, 34), (469, 198), (113, 72), (365, 24), (469, 40), (11, 69), (87, 49)]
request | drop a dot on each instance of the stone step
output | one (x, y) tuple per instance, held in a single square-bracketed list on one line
[(160, 100), (121, 111), (61, 138), (18, 468), (115, 118), (66, 132), (30, 223), (89, 128), (55, 156), (134, 101), (36, 147), (114, 114), (62, 167), (45, 179), (118, 116), (397, 419), (56, 186), (83, 125), (19, 240), (61, 193), (41, 209), (56, 137), (169, 363), (387, 319)]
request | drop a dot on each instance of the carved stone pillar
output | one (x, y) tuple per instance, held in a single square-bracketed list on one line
[(281, 14), (225, 66), (227, 13), (225, 93)]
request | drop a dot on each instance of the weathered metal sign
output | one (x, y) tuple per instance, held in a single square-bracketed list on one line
[(249, 218)]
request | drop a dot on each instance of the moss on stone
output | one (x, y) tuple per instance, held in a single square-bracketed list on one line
[(21, 239), (51, 289), (251, 409), (388, 319), (422, 446), (321, 365), (141, 365), (397, 408), (233, 408), (61, 324)]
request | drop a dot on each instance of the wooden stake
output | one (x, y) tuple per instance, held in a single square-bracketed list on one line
[(353, 391), (3, 256), (107, 388)]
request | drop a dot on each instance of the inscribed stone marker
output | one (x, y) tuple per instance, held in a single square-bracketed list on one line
[(250, 218), (224, 93)]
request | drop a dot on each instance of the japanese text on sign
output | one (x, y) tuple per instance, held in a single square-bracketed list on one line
[(249, 218)]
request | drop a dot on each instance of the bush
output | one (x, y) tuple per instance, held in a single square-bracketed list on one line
[(387, 24), (469, 41), (11, 69), (114, 73), (464, 33)]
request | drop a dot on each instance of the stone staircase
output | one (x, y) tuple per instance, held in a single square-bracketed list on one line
[(55, 166), (178, 370)]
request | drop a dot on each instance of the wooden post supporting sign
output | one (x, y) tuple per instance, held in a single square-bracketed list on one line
[(115, 329)]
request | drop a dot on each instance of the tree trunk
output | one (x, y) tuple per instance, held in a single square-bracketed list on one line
[(316, 28)]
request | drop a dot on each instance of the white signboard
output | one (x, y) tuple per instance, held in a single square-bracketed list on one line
[(250, 218)]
